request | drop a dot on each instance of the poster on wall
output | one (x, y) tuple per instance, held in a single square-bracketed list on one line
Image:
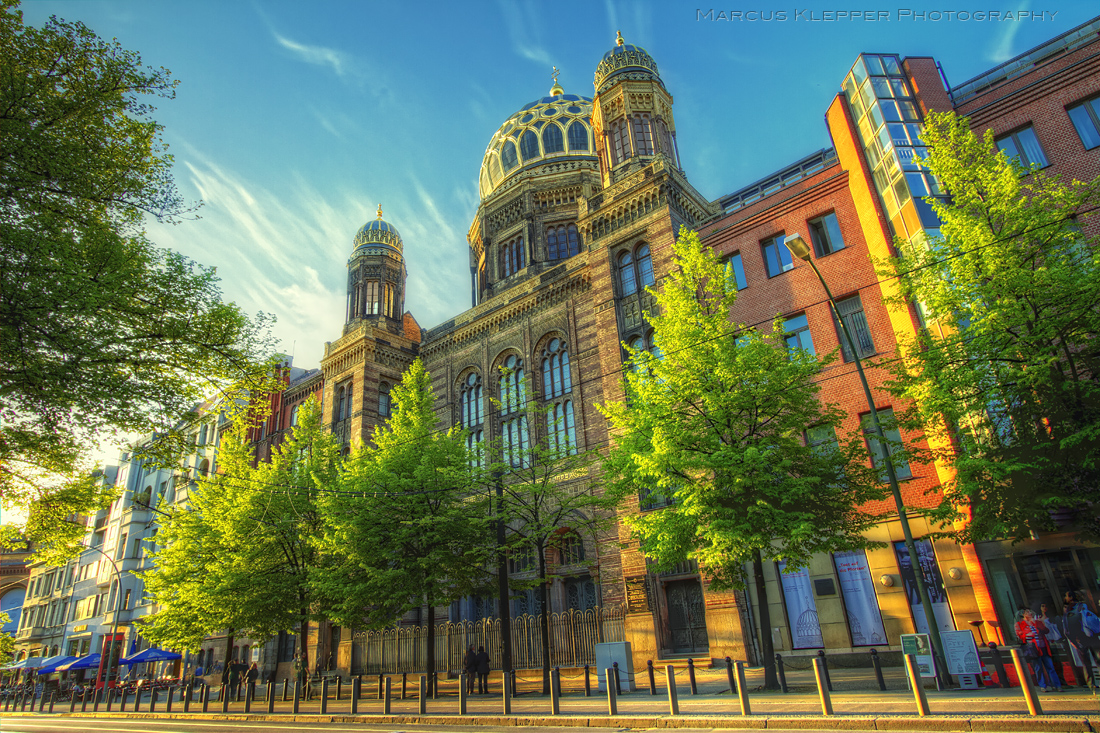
[(961, 653), (858, 591), (801, 608), (933, 580)]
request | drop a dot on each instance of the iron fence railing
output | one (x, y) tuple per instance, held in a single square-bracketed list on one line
[(573, 636)]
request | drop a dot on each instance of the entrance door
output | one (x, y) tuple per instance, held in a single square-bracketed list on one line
[(1046, 578), (687, 624)]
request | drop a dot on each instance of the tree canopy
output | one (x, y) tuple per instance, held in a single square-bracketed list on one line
[(723, 427), (100, 330), (243, 555), (1006, 378)]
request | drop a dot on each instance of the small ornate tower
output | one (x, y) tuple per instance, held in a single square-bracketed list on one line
[(376, 275), (631, 113)]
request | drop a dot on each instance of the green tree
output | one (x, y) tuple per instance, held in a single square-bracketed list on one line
[(1006, 379), (713, 426), (550, 499), (242, 555), (7, 642), (100, 331), (405, 525)]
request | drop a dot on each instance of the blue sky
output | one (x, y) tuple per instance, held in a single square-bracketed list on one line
[(293, 120)]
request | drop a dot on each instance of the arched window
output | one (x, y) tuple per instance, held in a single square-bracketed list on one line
[(294, 415), (643, 135), (627, 280), (511, 257), (513, 405), (556, 380), (204, 468), (578, 136), (620, 142), (557, 384), (667, 146), (644, 265), (508, 156), (341, 398), (552, 141), (471, 413), (529, 146), (202, 434), (383, 399), (372, 298), (562, 241)]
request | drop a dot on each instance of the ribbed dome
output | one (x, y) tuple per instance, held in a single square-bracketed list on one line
[(378, 233), (554, 128), (625, 58)]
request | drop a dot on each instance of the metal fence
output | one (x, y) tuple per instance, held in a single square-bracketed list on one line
[(573, 636)]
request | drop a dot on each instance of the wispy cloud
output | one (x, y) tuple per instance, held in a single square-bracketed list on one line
[(318, 55), (1003, 44), (523, 22)]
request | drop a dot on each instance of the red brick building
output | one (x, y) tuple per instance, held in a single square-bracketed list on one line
[(581, 199)]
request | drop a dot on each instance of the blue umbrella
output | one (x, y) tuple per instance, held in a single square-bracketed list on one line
[(89, 662), (51, 664), (152, 654), (28, 663)]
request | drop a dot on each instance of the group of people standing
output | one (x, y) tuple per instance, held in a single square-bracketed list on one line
[(236, 672), (476, 664), (1077, 627)]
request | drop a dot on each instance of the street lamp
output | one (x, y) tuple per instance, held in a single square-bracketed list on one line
[(800, 249), (105, 665)]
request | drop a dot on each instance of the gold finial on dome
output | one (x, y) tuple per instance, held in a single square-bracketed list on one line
[(619, 40), (556, 89), (379, 212)]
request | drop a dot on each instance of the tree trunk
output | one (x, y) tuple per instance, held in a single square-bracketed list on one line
[(771, 680), (430, 651), (544, 601)]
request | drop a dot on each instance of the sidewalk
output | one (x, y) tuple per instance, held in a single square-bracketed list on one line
[(855, 706)]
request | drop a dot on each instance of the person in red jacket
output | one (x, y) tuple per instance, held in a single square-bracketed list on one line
[(1032, 633)]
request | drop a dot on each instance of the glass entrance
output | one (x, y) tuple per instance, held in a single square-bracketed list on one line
[(687, 623), (1028, 581)]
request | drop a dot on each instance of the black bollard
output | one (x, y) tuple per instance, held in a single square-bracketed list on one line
[(42, 700), (297, 696), (95, 702), (247, 697), (286, 688), (223, 696), (339, 686), (205, 698), (877, 664), (825, 666), (729, 676), (168, 702), (652, 681), (999, 663), (404, 684), (781, 672), (153, 701), (72, 703), (434, 681), (324, 695), (270, 697), (618, 687), (587, 681), (691, 676), (356, 685), (512, 676), (122, 701), (555, 680), (137, 700), (188, 694), (379, 687), (53, 694)]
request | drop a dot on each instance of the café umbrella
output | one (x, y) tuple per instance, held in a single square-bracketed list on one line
[(152, 654), (51, 664), (28, 663), (90, 661)]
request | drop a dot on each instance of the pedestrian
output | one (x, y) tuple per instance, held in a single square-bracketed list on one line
[(1079, 626), (251, 676), (482, 660), (235, 668), (1032, 634), (469, 666)]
